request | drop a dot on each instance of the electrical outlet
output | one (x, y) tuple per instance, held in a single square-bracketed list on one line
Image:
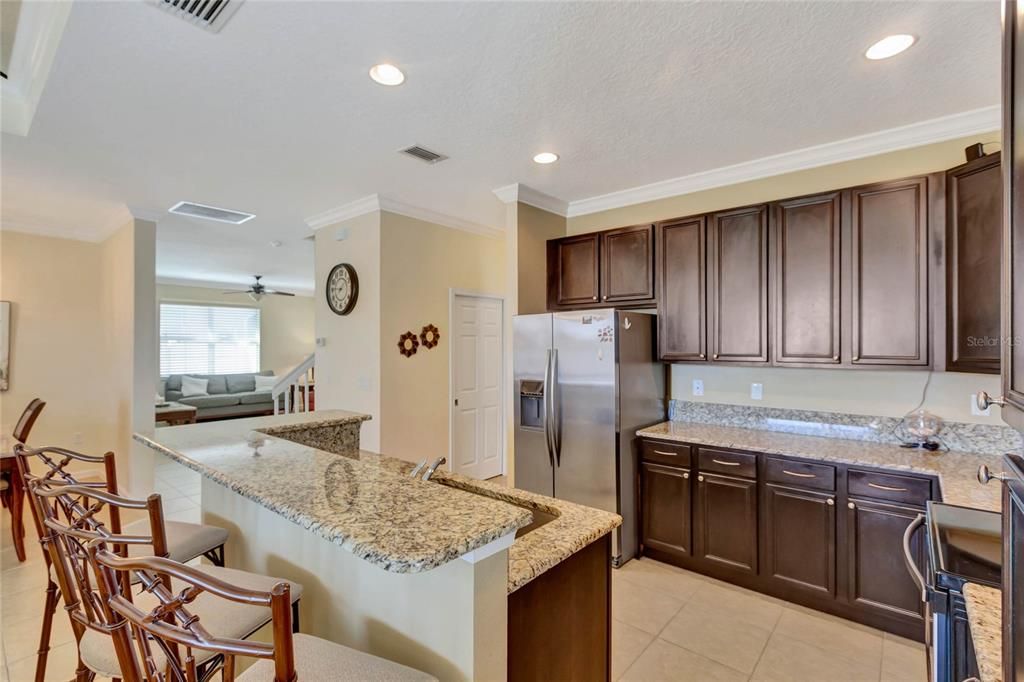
[(698, 387), (987, 412), (756, 391)]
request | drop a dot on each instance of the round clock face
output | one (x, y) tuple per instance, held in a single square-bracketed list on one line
[(342, 288)]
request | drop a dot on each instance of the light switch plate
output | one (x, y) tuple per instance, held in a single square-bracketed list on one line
[(698, 387), (756, 391), (987, 412)]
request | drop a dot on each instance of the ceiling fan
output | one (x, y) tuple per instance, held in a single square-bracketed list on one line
[(259, 290)]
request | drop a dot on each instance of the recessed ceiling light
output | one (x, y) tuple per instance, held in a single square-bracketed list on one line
[(387, 74), (546, 157), (275, 243), (890, 46)]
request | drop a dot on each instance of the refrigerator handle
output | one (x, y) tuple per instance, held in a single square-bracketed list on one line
[(548, 433), (556, 411)]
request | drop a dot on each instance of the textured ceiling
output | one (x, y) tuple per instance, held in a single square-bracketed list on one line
[(275, 115)]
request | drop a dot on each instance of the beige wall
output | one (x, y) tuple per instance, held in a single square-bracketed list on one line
[(421, 262), (348, 364), (286, 323), (534, 227), (860, 392)]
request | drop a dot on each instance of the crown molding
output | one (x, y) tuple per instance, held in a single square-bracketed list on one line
[(972, 122), (376, 202), (38, 34), (518, 192)]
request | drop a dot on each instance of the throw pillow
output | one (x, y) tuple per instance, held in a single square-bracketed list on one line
[(193, 386), (265, 383)]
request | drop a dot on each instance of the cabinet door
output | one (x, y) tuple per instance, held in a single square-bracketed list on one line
[(738, 254), (806, 236), (800, 539), (573, 270), (889, 275), (627, 264), (665, 508), (974, 230), (727, 525), (681, 293), (877, 573), (1012, 369)]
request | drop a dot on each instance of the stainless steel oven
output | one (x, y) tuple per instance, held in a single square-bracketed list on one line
[(964, 545)]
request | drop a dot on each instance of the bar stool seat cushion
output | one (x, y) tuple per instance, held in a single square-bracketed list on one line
[(319, 659), (185, 541), (219, 616)]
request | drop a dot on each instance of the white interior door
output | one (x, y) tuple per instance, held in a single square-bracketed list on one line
[(478, 440)]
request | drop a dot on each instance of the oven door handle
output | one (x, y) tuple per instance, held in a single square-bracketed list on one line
[(908, 556)]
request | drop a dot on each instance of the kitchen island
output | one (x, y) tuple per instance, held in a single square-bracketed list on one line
[(430, 574)]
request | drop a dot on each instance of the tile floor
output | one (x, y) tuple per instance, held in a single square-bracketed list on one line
[(668, 624)]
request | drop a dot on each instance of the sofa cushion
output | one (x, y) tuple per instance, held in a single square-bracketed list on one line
[(240, 383), (218, 384), (264, 383), (173, 383), (255, 398), (194, 386), (204, 401)]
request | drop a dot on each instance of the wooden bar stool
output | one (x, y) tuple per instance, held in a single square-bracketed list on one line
[(184, 541), (175, 626), (71, 518)]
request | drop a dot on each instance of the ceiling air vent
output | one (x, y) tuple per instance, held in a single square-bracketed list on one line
[(209, 14), (221, 215), (424, 154)]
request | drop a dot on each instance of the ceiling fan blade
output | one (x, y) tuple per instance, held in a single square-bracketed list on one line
[(277, 293), (235, 292)]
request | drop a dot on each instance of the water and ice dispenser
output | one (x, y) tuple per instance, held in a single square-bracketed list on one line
[(531, 404)]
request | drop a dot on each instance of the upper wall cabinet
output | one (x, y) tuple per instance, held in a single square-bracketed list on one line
[(574, 271), (627, 264), (806, 250), (602, 268), (682, 304), (974, 195), (889, 273), (738, 285)]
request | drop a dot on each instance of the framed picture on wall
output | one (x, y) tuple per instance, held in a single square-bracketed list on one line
[(5, 343)]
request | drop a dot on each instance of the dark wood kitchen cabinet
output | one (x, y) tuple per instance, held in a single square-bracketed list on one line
[(738, 285), (627, 264), (889, 273), (974, 227), (727, 522), (800, 538), (574, 271), (806, 250), (682, 300), (665, 509)]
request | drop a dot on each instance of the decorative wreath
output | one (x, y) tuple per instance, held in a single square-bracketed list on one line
[(430, 336), (407, 344)]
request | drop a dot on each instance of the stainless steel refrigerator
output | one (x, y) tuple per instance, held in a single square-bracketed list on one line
[(585, 381)]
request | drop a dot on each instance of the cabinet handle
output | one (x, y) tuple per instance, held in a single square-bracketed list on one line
[(856, 358), (686, 474), (701, 356), (667, 454), (835, 358), (700, 478), (605, 297), (715, 356), (851, 505), (594, 298), (986, 401), (984, 475), (798, 474), (728, 464), (830, 502), (892, 489)]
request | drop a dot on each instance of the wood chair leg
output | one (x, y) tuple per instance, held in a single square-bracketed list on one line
[(49, 609), (17, 517)]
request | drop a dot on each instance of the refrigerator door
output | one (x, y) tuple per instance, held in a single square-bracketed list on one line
[(534, 458), (584, 396)]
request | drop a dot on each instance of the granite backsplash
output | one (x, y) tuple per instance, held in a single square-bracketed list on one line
[(992, 439)]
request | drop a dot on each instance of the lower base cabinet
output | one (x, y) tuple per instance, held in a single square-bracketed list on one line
[(777, 529)]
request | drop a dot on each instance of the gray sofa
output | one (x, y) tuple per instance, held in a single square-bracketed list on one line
[(230, 395)]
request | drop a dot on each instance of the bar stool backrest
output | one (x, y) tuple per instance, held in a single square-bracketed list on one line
[(27, 420)]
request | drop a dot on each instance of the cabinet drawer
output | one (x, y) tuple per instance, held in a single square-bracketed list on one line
[(800, 474), (672, 454), (893, 487), (742, 464)]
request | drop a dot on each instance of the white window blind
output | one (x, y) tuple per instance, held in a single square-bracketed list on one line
[(204, 339)]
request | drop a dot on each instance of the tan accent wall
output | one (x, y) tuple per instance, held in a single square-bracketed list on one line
[(534, 227), (286, 323), (420, 263), (888, 393)]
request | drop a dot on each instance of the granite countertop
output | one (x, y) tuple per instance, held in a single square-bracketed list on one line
[(956, 471), (984, 613), (360, 501)]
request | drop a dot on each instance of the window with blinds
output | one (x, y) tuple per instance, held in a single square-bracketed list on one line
[(206, 339)]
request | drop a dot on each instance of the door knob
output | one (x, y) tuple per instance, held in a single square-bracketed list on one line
[(984, 475), (986, 401)]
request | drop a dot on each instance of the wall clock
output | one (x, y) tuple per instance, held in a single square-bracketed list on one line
[(342, 288)]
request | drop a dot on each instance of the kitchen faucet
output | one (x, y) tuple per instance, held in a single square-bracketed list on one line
[(433, 467)]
